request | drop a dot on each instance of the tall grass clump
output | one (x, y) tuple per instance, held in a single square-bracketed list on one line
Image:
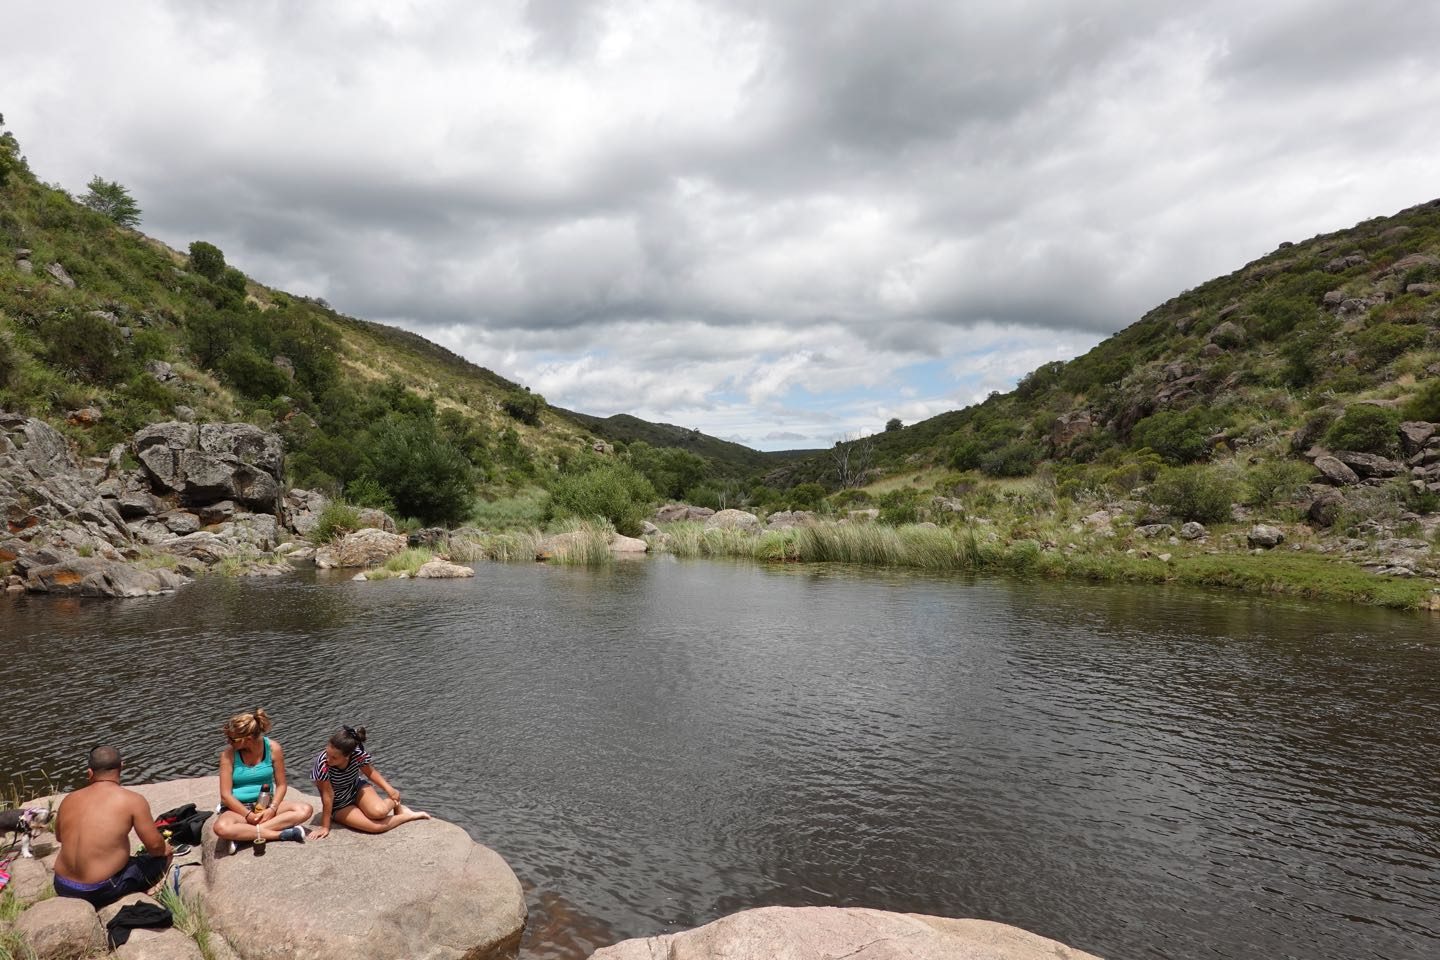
[(525, 509), (190, 919), (337, 519), (584, 543), (409, 561), (510, 546)]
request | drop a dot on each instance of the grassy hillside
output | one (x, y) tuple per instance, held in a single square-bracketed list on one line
[(1261, 362), (103, 330), (733, 459)]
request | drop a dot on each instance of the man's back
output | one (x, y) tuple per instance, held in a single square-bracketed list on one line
[(93, 827)]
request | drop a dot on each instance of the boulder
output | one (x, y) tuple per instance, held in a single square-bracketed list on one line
[(180, 522), (648, 529), (1070, 426), (1193, 531), (1150, 530), (824, 933), (862, 516), (161, 943), (1422, 289), (620, 544), (212, 462), (160, 370), (1335, 471), (98, 577), (363, 548), (677, 512), (303, 509), (377, 519), (57, 272), (438, 569), (1370, 465), (1414, 434), (733, 520), (1264, 536), (1324, 509), (30, 880), (789, 519), (1228, 334), (62, 928), (430, 893)]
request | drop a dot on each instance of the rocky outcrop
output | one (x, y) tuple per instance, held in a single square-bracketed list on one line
[(96, 577), (824, 933), (363, 548), (1369, 465), (1152, 530), (733, 520), (1192, 530), (212, 462), (303, 509)]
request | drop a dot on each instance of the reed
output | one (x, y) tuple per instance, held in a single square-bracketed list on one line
[(581, 543), (190, 919)]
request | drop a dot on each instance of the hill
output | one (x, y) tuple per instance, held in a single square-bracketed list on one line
[(104, 330), (1261, 362)]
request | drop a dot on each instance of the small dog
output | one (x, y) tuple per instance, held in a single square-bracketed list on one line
[(23, 824)]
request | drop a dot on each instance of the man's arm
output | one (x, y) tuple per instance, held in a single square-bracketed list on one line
[(143, 823)]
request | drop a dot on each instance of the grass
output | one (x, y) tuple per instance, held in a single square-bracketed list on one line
[(190, 919), (522, 511), (582, 543), (1050, 553), (512, 546), (409, 561)]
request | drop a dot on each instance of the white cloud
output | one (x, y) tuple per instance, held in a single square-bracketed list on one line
[(699, 211)]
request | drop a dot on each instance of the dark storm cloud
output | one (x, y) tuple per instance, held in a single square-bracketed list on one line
[(754, 196)]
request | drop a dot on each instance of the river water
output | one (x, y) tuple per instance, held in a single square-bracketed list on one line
[(1136, 772)]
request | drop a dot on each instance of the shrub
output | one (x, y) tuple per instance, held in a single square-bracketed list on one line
[(610, 491), (366, 491), (1385, 341), (86, 346), (1200, 493), (1015, 459), (1276, 481), (524, 406), (1424, 405), (899, 506), (1178, 436), (1365, 428), (893, 424), (207, 260), (806, 496), (423, 473), (233, 279), (9, 362)]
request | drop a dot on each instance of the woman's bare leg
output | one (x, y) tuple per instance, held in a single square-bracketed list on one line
[(229, 825), (291, 813), (354, 818)]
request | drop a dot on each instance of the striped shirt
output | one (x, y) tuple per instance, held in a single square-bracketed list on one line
[(346, 782)]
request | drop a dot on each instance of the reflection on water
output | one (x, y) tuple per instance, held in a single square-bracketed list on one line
[(1141, 773)]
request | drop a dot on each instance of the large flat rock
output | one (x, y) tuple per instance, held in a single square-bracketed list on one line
[(824, 933), (424, 891)]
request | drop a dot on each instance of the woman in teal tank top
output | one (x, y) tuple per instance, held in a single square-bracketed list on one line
[(251, 763)]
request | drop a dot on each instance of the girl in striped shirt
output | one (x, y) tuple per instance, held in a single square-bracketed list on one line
[(350, 788)]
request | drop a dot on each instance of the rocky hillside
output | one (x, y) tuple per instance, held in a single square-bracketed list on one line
[(104, 330), (1262, 362)]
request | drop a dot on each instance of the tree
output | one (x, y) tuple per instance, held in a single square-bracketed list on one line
[(524, 406), (9, 154), (207, 260), (852, 460), (893, 424), (113, 201)]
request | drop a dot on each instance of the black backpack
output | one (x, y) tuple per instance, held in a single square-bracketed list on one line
[(184, 823)]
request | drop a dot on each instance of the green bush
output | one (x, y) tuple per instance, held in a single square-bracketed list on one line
[(1276, 481), (806, 496), (87, 347), (898, 507), (337, 519), (524, 406), (1200, 493), (1365, 428), (609, 491), (207, 260), (9, 362), (1384, 342), (1014, 459), (1424, 405), (233, 279), (1181, 436), (422, 472)]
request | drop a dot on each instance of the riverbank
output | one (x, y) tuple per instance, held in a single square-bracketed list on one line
[(1299, 563)]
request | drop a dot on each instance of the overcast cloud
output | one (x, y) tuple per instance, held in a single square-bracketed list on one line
[(779, 222)]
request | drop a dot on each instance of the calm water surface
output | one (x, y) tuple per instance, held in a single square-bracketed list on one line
[(1140, 773)]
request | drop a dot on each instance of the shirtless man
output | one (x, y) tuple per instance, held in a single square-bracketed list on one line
[(93, 826)]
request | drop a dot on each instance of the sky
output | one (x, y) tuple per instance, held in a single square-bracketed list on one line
[(782, 223)]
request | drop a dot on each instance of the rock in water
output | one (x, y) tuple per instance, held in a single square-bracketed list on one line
[(363, 548), (438, 569), (822, 933)]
